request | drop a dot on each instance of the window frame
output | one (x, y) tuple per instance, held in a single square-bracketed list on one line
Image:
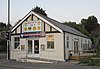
[(67, 41), (50, 40), (16, 41)]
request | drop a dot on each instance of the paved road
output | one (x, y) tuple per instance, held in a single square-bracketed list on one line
[(6, 64)]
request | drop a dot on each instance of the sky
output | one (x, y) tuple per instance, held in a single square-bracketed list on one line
[(61, 10)]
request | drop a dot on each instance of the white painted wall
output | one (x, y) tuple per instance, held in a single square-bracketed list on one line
[(17, 53), (18, 29), (47, 27), (58, 52), (73, 38)]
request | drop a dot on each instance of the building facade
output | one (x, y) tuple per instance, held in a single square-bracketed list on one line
[(38, 36)]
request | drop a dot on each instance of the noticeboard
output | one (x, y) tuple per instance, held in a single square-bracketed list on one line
[(32, 26)]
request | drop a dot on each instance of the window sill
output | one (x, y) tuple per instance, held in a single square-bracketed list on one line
[(50, 50)]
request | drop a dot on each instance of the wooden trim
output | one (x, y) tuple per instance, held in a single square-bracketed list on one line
[(44, 26), (50, 28), (52, 32), (47, 22), (21, 21), (15, 34), (32, 17), (15, 31), (19, 25), (21, 28), (32, 32)]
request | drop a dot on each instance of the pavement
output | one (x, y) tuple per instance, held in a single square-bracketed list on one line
[(9, 64)]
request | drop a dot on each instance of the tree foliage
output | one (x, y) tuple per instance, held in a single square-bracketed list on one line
[(78, 27), (3, 43), (39, 10), (90, 24), (90, 27)]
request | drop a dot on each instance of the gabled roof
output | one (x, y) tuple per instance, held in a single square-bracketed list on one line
[(64, 28)]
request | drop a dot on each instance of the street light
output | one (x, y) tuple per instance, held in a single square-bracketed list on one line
[(8, 41)]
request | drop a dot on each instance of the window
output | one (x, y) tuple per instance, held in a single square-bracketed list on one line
[(16, 42), (67, 42), (50, 42)]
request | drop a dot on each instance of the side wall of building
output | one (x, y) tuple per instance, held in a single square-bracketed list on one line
[(71, 41)]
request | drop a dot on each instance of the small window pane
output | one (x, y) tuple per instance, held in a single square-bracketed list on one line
[(48, 44), (67, 44), (16, 45), (52, 44)]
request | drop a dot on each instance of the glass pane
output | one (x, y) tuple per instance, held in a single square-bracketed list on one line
[(67, 44), (16, 42), (36, 46), (16, 45), (48, 44), (52, 44), (30, 46)]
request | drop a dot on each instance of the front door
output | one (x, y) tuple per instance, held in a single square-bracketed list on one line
[(33, 48)]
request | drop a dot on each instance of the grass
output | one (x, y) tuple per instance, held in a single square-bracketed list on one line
[(87, 60)]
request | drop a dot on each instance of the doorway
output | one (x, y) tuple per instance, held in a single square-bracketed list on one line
[(33, 48), (75, 46)]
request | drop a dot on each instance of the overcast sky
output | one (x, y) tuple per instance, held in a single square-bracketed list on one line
[(61, 10)]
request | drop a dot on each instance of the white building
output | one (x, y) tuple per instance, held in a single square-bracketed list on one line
[(38, 36)]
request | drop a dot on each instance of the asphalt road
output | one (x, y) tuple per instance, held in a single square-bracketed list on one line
[(8, 64)]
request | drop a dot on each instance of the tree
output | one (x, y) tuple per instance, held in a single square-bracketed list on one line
[(3, 42), (39, 10), (90, 27), (3, 45), (2, 26), (83, 22), (77, 26), (71, 24), (90, 24)]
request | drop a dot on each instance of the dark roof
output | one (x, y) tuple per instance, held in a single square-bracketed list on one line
[(65, 28)]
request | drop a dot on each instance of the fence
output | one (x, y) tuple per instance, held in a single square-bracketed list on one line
[(77, 55)]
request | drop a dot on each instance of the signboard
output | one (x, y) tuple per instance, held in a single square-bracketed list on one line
[(32, 26), (35, 34)]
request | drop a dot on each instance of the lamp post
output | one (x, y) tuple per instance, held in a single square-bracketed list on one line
[(8, 41)]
